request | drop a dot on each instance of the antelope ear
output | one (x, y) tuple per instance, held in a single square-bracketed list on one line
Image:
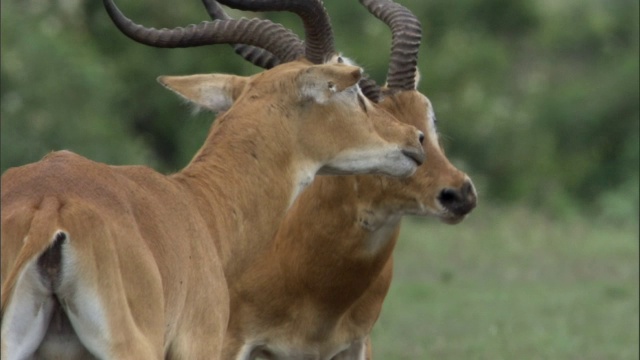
[(319, 82), (215, 92)]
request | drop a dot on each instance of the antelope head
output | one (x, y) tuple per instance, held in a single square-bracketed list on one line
[(324, 97), (437, 188)]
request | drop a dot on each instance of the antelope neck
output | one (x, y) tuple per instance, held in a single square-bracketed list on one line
[(244, 178), (339, 234)]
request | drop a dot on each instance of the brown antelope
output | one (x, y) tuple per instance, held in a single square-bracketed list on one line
[(121, 262), (318, 290)]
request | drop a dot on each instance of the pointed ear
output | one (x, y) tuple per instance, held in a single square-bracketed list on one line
[(319, 82), (215, 92)]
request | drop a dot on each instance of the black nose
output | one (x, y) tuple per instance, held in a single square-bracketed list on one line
[(459, 201), (421, 138)]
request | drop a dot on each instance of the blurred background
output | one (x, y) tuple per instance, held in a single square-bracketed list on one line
[(538, 101)]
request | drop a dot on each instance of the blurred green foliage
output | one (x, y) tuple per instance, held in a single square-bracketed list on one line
[(512, 284), (537, 101)]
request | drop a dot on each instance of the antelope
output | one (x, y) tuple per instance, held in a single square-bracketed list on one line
[(122, 262), (318, 290)]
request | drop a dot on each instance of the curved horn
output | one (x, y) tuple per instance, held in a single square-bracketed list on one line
[(263, 58), (406, 36), (263, 33), (370, 89), (319, 44), (256, 55)]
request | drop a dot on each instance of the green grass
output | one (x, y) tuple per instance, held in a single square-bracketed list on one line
[(512, 284)]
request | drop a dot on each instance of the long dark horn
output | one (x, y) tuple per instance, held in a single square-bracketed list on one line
[(258, 32), (370, 89), (319, 44), (257, 56), (263, 58), (406, 36)]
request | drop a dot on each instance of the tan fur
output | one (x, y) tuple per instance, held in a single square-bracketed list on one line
[(319, 288), (141, 268)]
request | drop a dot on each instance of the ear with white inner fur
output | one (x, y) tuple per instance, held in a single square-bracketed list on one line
[(215, 92), (319, 82)]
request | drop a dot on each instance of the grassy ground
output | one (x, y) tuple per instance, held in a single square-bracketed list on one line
[(512, 284)]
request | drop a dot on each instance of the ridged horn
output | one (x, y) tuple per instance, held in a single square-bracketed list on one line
[(256, 55), (263, 58), (319, 42), (370, 89), (406, 36), (258, 32)]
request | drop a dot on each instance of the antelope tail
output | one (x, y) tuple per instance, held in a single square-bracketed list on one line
[(44, 241)]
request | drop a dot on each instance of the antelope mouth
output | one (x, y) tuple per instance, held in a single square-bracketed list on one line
[(452, 219), (414, 155)]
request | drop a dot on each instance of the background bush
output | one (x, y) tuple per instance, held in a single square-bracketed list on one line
[(538, 101)]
